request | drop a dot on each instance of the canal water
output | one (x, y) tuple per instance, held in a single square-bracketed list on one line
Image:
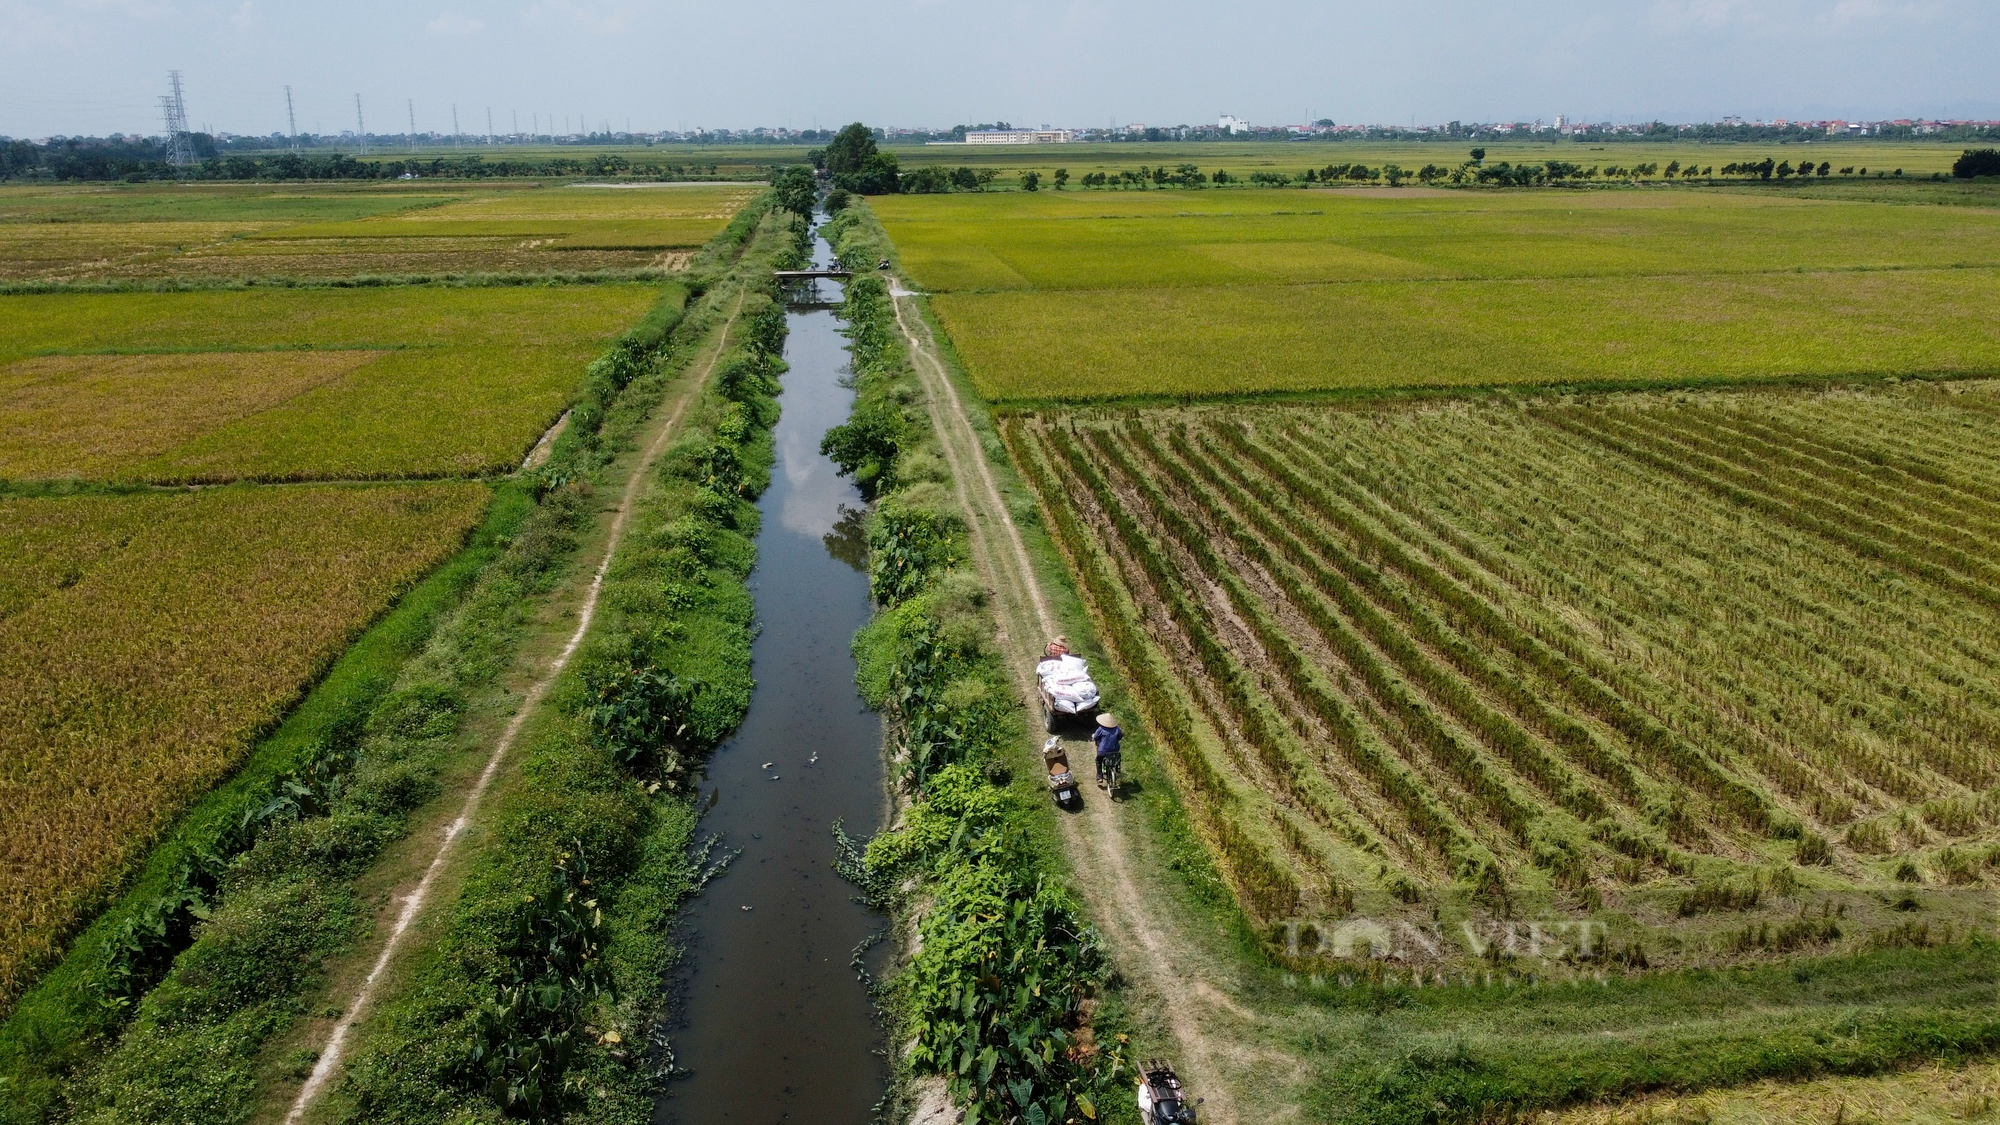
[(775, 1026)]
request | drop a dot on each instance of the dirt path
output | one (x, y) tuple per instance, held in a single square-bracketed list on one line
[(1179, 988), (663, 427)]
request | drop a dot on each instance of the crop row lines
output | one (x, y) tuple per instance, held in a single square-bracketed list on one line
[(1308, 682), (1265, 883), (1279, 751), (1867, 537), (1684, 652), (1412, 684), (1340, 575), (1575, 675)]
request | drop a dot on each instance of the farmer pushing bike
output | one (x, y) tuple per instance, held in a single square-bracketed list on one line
[(1108, 738)]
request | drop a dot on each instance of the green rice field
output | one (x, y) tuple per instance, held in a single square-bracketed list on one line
[(294, 384), (1081, 296)]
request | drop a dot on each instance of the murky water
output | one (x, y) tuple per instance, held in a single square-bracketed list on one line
[(775, 1026)]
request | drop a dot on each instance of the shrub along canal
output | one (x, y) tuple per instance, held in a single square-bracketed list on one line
[(776, 1025)]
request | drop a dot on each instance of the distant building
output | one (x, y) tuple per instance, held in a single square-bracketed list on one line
[(1020, 137), (1230, 123)]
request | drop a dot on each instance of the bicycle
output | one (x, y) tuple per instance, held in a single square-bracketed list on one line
[(1111, 766)]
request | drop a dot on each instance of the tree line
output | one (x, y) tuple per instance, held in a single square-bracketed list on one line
[(140, 160)]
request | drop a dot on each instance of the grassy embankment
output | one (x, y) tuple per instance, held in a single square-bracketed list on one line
[(1382, 1043), (1004, 999), (541, 990), (348, 745), (1170, 295)]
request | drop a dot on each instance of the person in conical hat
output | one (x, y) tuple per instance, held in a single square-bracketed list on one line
[(1108, 737)]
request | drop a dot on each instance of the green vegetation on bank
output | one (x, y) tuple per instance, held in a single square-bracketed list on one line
[(541, 995), (998, 999)]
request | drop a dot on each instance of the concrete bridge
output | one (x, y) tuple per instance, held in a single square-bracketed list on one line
[(834, 274)]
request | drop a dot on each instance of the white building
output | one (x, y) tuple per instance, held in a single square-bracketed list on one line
[(1020, 137), (1230, 123)]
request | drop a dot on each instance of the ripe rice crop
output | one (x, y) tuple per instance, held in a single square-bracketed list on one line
[(146, 639), (1176, 342), (572, 218), (308, 231), (1050, 240), (369, 383), (1560, 651), (1077, 295), (96, 416)]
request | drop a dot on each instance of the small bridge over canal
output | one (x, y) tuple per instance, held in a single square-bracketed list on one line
[(834, 274)]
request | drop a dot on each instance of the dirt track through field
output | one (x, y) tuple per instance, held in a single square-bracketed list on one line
[(414, 897), (1127, 905)]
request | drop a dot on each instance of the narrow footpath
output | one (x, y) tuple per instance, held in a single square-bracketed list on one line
[(1145, 941), (657, 434)]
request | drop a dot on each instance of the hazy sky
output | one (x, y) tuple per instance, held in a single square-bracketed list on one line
[(98, 66)]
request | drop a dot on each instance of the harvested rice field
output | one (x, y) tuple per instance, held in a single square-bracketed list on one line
[(1722, 657)]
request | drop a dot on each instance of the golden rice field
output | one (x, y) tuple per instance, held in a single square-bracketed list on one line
[(1592, 652), (146, 639), (294, 384), (203, 231), (1077, 296)]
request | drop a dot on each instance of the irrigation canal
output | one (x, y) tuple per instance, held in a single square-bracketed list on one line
[(775, 1025)]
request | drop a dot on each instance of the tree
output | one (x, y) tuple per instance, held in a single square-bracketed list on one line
[(1825, 166), (850, 149), (1785, 170), (1478, 156), (877, 174), (1974, 162), (837, 200), (1062, 177), (926, 181), (1031, 181), (797, 189), (1221, 177), (1673, 169), (1394, 174)]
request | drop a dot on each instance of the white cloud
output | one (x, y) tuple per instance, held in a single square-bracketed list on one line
[(455, 26)]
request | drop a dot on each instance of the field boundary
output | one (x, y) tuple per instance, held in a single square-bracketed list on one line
[(1100, 852), (412, 903)]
